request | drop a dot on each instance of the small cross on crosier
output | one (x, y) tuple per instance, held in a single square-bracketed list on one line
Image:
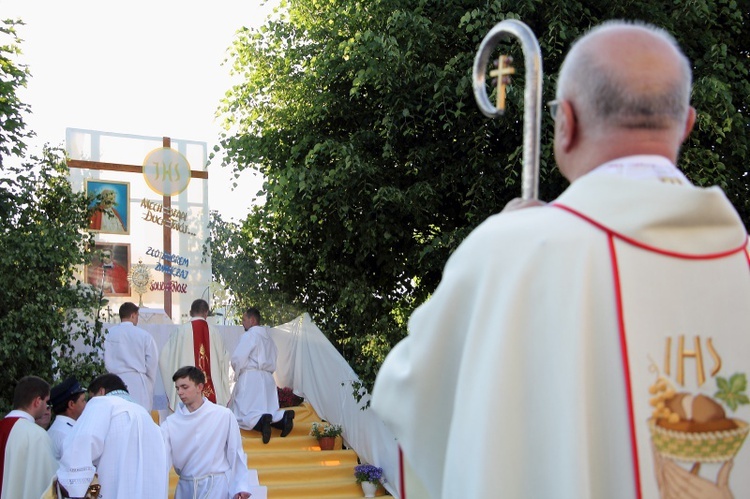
[(503, 72)]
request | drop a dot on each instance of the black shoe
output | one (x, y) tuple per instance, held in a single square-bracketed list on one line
[(264, 427), (288, 422)]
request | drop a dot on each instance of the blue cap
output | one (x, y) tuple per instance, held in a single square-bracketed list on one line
[(63, 392)]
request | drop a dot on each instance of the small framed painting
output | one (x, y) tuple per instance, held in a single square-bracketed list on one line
[(110, 206)]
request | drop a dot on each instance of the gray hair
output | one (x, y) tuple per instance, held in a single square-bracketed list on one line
[(609, 99)]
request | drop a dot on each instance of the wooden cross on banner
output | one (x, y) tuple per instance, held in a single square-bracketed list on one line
[(167, 208)]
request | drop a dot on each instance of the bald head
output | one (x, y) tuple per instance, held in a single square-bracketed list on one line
[(624, 89), (627, 75)]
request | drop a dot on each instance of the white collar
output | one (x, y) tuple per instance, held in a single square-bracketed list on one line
[(643, 166), (18, 413)]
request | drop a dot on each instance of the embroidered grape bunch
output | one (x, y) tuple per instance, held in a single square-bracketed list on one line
[(662, 391)]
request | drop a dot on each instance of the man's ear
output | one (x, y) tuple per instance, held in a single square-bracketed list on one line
[(566, 126), (689, 123)]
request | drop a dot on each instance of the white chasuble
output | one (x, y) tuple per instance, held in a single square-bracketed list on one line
[(528, 372), (28, 460), (179, 351), (686, 346)]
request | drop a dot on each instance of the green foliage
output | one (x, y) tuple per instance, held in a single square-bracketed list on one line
[(43, 307), (360, 116), (14, 77), (235, 268)]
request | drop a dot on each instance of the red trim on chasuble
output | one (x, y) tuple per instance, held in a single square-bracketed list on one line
[(5, 426), (638, 244), (611, 235), (202, 354), (401, 481), (625, 362)]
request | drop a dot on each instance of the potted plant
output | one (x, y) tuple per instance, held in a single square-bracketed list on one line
[(326, 434), (368, 476)]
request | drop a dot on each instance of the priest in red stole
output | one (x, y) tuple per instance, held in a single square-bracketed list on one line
[(597, 346), (27, 460), (195, 344)]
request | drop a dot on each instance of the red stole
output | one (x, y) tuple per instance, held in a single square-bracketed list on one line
[(5, 426), (202, 353)]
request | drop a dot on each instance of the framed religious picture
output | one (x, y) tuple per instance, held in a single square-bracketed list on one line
[(109, 269), (110, 206)]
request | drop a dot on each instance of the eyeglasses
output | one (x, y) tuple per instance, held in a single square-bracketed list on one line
[(553, 105)]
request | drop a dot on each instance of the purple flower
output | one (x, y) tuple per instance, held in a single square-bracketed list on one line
[(368, 473)]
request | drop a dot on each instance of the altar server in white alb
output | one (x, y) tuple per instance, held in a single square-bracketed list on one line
[(27, 461), (204, 444), (130, 352), (197, 344), (68, 400), (596, 346), (116, 439), (255, 398)]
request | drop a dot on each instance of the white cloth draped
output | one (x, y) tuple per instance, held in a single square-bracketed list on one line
[(118, 440), (310, 365), (254, 393), (205, 448), (130, 352)]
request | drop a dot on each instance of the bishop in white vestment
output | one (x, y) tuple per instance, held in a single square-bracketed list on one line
[(597, 346)]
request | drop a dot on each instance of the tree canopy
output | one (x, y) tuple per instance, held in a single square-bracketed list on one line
[(44, 309), (360, 116)]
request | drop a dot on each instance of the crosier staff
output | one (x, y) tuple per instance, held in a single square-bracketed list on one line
[(532, 93)]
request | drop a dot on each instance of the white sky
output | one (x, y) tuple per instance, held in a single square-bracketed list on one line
[(139, 67)]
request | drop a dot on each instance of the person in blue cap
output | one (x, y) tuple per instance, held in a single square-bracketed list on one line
[(68, 400)]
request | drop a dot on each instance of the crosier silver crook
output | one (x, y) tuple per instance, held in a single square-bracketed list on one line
[(532, 94)]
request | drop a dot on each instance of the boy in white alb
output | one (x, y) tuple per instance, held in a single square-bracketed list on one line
[(204, 444), (255, 399)]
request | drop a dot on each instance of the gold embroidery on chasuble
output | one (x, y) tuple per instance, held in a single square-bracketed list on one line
[(204, 364)]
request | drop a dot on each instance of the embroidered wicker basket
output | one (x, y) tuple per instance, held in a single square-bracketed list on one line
[(702, 447)]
